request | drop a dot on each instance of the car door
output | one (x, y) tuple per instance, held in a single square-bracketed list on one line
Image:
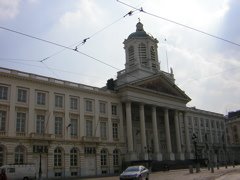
[(144, 172)]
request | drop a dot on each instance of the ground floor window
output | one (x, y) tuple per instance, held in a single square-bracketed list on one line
[(19, 155), (1, 156), (57, 157)]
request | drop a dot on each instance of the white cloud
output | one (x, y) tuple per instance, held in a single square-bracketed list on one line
[(87, 11), (9, 9)]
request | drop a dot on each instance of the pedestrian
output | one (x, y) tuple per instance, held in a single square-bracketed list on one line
[(3, 175)]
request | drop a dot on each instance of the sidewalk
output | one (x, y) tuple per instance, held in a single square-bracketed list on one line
[(204, 174)]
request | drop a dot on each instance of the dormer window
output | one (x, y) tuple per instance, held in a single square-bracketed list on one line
[(142, 54)]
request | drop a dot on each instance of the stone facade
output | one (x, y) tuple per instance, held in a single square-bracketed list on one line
[(233, 135), (79, 130)]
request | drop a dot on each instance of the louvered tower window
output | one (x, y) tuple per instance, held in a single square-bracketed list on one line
[(131, 55), (153, 57), (142, 54)]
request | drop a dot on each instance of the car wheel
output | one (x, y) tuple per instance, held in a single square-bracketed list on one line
[(25, 178), (147, 178)]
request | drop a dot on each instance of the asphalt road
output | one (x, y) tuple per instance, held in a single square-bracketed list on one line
[(219, 174)]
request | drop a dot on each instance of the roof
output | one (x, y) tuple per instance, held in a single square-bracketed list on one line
[(139, 32)]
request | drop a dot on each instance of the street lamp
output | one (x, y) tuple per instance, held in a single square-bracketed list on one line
[(148, 150)]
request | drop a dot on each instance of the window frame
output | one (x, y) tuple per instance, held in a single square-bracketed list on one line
[(21, 121), (4, 92), (3, 120), (22, 95), (58, 125), (59, 101), (40, 123), (41, 98)]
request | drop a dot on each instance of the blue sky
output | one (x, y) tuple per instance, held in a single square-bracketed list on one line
[(206, 68)]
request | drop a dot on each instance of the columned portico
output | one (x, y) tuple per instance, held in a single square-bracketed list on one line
[(179, 154), (131, 155), (143, 132), (157, 154), (169, 155)]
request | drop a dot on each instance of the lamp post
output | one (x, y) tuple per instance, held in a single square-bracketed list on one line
[(40, 151), (148, 150), (40, 166)]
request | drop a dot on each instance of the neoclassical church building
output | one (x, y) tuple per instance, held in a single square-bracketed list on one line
[(69, 129)]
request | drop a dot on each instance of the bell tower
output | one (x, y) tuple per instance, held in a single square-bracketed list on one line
[(141, 56)]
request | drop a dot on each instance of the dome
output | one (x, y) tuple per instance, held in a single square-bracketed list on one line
[(139, 32)]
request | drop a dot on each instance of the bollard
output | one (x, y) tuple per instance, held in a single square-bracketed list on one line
[(212, 168), (197, 168), (190, 169), (217, 166), (208, 166)]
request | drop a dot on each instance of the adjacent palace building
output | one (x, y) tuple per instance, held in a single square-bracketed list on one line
[(69, 129)]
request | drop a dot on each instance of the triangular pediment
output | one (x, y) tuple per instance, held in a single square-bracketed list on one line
[(161, 84)]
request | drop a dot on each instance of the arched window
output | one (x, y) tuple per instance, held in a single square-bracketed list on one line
[(1, 156), (131, 55), (116, 157), (103, 157), (74, 157), (57, 157), (19, 155), (142, 53)]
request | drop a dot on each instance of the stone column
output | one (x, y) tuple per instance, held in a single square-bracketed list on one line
[(187, 138), (170, 155), (130, 154), (177, 130), (143, 131), (157, 154)]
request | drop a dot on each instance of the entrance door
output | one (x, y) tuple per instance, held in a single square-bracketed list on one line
[(90, 166), (44, 165)]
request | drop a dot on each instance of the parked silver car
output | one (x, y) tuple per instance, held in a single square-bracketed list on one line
[(135, 172)]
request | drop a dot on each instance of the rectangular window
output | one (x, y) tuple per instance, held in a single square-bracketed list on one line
[(115, 130), (212, 124), (3, 120), (58, 125), (3, 92), (74, 127), (59, 101), (202, 122), (189, 121), (103, 130), (73, 103), (41, 98), (207, 123), (114, 109), (90, 150), (40, 128), (195, 121), (89, 106), (21, 121), (89, 128), (22, 95), (102, 106)]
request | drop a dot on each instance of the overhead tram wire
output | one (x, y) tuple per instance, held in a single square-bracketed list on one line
[(59, 45), (75, 49), (76, 45), (63, 46), (180, 24)]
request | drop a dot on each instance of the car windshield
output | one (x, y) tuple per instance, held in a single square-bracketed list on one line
[(131, 169)]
